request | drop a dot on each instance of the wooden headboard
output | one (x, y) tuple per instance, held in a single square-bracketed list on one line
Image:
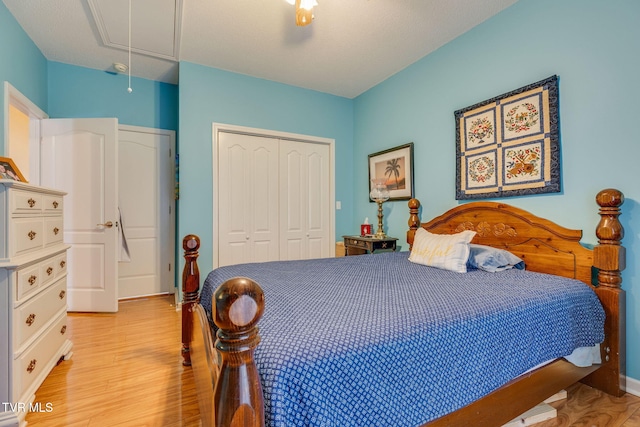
[(544, 245)]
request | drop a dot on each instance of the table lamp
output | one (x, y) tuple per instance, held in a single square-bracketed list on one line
[(379, 194)]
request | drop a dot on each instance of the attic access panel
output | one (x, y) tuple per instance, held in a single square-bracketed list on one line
[(155, 25)]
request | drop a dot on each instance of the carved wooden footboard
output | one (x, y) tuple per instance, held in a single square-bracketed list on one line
[(228, 382)]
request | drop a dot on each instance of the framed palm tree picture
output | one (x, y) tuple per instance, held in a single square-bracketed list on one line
[(395, 167)]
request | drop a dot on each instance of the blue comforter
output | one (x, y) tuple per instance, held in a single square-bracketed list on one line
[(379, 341)]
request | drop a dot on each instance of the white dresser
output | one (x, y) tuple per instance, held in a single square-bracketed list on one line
[(33, 295)]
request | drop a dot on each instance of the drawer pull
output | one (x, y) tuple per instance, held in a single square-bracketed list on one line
[(32, 279), (63, 329), (31, 202), (62, 293), (32, 365), (30, 319), (55, 205), (32, 235), (56, 230), (63, 263), (49, 271)]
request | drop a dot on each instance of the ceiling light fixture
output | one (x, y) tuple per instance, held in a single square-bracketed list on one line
[(304, 11)]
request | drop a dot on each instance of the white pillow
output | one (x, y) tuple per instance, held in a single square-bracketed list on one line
[(446, 251)]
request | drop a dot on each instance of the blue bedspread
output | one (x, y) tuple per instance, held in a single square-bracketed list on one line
[(351, 341)]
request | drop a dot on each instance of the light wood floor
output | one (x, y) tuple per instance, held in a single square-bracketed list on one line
[(126, 370)]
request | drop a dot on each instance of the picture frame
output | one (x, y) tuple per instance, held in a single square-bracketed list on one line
[(9, 170), (510, 145), (396, 166)]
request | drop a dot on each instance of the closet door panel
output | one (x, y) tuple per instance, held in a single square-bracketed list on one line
[(318, 221), (292, 201), (263, 204), (248, 211), (304, 197)]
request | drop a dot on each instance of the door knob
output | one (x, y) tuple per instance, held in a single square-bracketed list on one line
[(107, 224)]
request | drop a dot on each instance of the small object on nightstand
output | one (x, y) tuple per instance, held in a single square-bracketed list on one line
[(369, 244), (365, 227)]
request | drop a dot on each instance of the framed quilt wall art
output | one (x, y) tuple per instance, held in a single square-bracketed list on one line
[(509, 145)]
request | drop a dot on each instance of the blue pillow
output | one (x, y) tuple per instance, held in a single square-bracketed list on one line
[(491, 259)]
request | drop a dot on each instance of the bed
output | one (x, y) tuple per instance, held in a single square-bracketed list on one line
[(378, 370)]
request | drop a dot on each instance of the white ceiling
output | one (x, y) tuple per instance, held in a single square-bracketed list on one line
[(351, 46)]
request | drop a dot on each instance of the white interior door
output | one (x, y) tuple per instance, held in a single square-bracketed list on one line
[(248, 199), (146, 199), (79, 156)]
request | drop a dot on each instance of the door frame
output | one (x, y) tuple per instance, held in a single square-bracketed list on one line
[(244, 130), (168, 251), (13, 97)]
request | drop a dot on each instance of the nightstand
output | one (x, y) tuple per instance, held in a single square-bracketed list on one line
[(359, 245)]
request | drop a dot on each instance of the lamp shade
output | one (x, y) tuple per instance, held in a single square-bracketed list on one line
[(379, 191)]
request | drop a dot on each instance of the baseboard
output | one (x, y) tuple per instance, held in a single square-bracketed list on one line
[(633, 386), (8, 419)]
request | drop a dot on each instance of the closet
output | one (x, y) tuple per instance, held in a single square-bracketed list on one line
[(274, 198)]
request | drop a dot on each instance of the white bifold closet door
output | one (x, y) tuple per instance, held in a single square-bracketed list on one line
[(274, 200)]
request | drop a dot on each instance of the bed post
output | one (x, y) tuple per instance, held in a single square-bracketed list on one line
[(414, 220), (609, 260), (190, 291), (238, 305)]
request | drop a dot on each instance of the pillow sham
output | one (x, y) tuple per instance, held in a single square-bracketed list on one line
[(445, 251), (492, 259)]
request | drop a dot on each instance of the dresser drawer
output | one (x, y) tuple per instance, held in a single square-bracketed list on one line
[(30, 317), (52, 204), (28, 280), (52, 230), (23, 202), (60, 264), (40, 356), (357, 243), (27, 234), (39, 275)]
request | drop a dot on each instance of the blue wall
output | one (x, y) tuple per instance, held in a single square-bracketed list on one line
[(209, 95), (21, 64), (83, 92), (593, 47)]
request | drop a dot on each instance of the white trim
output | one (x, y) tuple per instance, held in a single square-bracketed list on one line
[(220, 127), (8, 419), (633, 386), (12, 96)]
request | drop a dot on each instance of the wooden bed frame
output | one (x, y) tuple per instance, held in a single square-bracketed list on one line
[(229, 390)]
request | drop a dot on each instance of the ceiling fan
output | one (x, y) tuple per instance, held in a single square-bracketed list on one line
[(304, 11)]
